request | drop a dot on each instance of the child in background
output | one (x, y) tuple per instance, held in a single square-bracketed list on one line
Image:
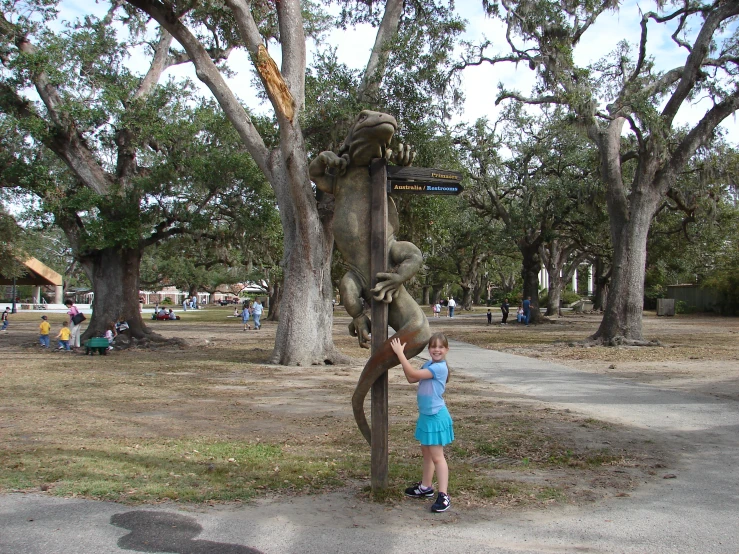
[(63, 336), (44, 329), (490, 316), (5, 315), (434, 428), (110, 334), (245, 316)]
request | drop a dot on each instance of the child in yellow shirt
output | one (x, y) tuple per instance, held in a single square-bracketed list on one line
[(63, 336), (44, 329)]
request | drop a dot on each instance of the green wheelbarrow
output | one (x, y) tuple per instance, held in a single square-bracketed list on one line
[(99, 344)]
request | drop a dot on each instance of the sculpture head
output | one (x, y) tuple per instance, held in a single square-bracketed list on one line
[(368, 137)]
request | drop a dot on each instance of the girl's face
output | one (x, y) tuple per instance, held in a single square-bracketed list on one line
[(438, 351)]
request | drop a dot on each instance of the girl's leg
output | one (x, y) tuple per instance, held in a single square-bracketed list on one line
[(436, 453), (428, 467)]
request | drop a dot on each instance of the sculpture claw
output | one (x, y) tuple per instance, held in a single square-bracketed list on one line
[(403, 156), (360, 327), (333, 161), (387, 287)]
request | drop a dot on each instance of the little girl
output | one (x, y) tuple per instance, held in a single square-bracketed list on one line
[(245, 316), (434, 428), (110, 334)]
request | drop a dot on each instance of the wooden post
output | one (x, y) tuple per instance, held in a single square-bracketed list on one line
[(378, 264)]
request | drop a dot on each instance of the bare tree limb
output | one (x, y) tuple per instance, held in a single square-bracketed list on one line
[(207, 72), (697, 56), (550, 99), (375, 66)]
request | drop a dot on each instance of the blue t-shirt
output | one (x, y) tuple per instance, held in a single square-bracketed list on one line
[(430, 391)]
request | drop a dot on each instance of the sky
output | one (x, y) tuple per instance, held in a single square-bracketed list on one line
[(479, 83)]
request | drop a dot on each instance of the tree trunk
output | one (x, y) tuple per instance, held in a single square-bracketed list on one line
[(555, 295), (601, 278), (115, 281), (305, 330), (555, 260), (477, 292), (436, 293), (426, 296), (622, 318), (275, 295), (530, 275), (466, 297)]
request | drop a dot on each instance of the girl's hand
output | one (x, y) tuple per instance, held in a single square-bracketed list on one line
[(397, 346)]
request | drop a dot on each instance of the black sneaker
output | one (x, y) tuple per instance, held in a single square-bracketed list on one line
[(442, 503), (417, 492)]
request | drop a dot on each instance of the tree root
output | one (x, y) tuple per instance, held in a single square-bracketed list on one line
[(150, 341), (330, 358), (619, 340)]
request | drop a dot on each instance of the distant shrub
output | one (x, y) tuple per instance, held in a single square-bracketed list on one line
[(567, 297), (683, 308)]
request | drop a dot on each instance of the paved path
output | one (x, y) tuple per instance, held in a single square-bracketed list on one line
[(696, 513)]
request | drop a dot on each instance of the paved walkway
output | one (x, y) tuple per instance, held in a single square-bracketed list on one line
[(698, 512)]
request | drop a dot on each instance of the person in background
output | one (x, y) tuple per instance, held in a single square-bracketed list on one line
[(121, 325), (110, 334), (63, 336), (505, 307), (256, 313), (74, 330), (490, 316), (245, 315), (519, 313), (5, 316), (527, 310), (451, 305), (44, 329)]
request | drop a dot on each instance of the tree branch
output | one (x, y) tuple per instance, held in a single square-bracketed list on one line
[(551, 99), (376, 65), (209, 74), (697, 56), (697, 137), (216, 54)]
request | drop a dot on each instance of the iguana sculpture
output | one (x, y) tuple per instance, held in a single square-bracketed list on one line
[(347, 177)]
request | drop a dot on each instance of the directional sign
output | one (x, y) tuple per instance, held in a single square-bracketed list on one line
[(423, 180), (424, 188)]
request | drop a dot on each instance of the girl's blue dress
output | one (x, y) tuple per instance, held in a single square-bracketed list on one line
[(434, 426)]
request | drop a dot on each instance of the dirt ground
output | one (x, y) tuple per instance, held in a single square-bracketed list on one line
[(699, 353), (509, 450)]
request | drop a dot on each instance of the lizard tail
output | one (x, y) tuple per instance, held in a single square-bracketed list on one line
[(382, 360)]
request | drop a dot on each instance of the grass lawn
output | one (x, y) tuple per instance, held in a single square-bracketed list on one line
[(214, 422)]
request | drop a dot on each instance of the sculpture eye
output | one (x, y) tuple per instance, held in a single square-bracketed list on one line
[(362, 117)]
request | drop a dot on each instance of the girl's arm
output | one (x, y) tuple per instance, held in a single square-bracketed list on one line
[(412, 374)]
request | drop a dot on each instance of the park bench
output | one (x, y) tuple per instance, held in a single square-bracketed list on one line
[(99, 344)]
